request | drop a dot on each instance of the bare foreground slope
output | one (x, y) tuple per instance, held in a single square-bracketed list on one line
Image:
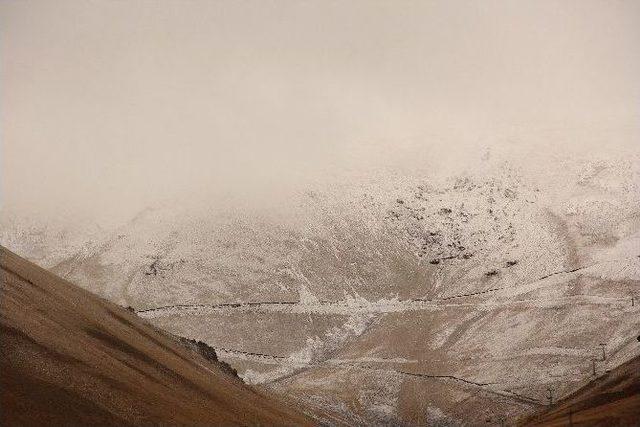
[(613, 399), (71, 358)]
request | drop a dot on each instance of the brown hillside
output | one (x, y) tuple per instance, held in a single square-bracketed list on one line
[(611, 400), (70, 358)]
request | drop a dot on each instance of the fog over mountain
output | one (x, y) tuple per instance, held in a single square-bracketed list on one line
[(389, 212), (109, 106)]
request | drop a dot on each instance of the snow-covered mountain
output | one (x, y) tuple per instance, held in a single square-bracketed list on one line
[(403, 299)]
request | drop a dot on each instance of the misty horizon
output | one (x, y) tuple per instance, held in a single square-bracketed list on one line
[(109, 107)]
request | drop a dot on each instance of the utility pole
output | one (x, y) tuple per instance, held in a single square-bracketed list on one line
[(550, 395), (604, 355)]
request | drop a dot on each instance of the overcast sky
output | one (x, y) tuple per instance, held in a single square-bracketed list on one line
[(111, 104)]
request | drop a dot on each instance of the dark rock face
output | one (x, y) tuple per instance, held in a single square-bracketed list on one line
[(207, 352)]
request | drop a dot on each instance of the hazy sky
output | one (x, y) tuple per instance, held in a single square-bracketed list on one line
[(111, 104)]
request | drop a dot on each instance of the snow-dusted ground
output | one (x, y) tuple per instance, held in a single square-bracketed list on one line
[(399, 299)]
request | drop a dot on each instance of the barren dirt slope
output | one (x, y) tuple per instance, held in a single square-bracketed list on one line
[(71, 358), (613, 399)]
